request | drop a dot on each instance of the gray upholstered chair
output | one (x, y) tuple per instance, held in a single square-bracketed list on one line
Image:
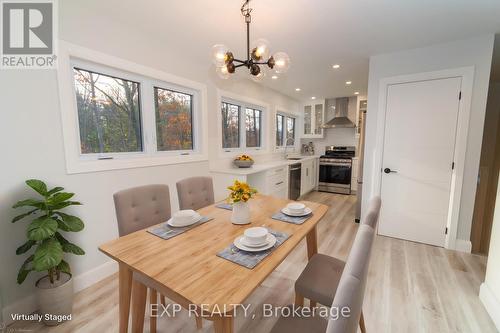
[(139, 208), (195, 192), (349, 294), (319, 281)]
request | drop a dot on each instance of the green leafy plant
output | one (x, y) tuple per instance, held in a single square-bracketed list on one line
[(44, 231)]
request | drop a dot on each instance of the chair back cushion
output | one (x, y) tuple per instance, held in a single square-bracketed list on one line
[(195, 192), (371, 218), (141, 207), (351, 289)]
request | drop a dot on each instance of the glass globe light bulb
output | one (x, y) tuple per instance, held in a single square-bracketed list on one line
[(219, 52), (222, 72), (261, 49), (281, 62), (259, 77)]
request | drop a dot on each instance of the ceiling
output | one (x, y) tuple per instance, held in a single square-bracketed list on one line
[(315, 33)]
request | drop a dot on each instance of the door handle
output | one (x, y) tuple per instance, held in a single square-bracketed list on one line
[(387, 170)]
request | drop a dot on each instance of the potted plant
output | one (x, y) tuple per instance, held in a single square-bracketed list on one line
[(240, 193), (44, 233)]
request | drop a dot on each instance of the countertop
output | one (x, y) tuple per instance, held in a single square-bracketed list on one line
[(260, 167)]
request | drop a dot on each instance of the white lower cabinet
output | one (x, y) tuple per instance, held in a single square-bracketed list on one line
[(271, 182), (354, 175), (309, 176)]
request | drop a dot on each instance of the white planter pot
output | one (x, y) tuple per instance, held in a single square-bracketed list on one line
[(55, 299), (241, 213)]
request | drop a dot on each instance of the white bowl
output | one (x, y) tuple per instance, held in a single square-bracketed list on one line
[(296, 207), (184, 216), (256, 235)]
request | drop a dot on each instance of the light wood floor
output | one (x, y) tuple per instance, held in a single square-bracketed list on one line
[(411, 287)]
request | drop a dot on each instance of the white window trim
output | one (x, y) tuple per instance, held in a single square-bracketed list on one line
[(281, 111), (69, 53), (226, 96)]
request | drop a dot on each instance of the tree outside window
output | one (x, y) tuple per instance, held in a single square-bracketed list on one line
[(174, 120), (109, 114)]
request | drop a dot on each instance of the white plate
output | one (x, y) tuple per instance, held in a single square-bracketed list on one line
[(271, 240), (306, 211), (193, 221)]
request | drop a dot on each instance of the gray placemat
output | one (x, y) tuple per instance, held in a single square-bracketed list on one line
[(251, 259), (166, 232), (224, 205), (291, 219)]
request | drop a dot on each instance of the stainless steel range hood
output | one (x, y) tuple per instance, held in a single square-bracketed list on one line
[(340, 107)]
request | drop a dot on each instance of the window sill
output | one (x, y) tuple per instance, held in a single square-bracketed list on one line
[(86, 166)]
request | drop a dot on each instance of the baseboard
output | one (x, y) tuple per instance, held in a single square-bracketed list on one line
[(491, 303), (463, 245), (95, 275), (28, 304)]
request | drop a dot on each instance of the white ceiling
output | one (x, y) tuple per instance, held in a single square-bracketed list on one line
[(315, 33)]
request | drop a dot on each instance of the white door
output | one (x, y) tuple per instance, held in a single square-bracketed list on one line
[(419, 142)]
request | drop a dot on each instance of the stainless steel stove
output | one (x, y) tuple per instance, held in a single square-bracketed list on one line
[(335, 169)]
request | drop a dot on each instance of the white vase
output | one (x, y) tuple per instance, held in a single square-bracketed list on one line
[(241, 213)]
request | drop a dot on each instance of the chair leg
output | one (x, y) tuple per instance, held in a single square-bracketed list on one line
[(362, 323), (299, 299), (152, 319), (199, 322), (312, 304)]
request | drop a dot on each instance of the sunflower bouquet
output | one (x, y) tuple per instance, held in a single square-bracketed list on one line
[(240, 192)]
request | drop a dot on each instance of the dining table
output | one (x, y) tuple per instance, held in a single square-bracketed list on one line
[(187, 270)]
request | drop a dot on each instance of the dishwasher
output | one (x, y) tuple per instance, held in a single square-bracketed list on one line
[(294, 181)]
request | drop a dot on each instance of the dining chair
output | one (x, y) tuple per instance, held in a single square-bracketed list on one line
[(139, 208), (195, 192), (320, 279), (349, 295)]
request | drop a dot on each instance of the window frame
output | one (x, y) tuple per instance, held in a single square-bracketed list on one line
[(195, 118), (243, 103), (286, 116), (71, 56)]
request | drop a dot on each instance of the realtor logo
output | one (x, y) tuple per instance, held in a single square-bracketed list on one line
[(28, 34)]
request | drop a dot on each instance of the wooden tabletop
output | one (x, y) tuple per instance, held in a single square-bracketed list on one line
[(188, 266)]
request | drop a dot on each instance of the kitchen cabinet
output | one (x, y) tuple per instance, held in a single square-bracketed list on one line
[(309, 176), (354, 174), (314, 118)]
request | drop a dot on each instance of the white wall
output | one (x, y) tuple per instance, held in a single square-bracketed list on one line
[(490, 289), (32, 147), (475, 52)]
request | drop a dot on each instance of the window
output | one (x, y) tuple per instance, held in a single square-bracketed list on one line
[(109, 113), (285, 130), (127, 115), (290, 132), (280, 121), (252, 125), (174, 120), (242, 125), (230, 125)]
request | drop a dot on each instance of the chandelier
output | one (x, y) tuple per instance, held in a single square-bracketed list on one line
[(226, 64)]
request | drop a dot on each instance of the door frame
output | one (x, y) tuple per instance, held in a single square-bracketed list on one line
[(467, 76)]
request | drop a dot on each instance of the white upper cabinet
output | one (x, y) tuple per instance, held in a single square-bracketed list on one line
[(314, 118)]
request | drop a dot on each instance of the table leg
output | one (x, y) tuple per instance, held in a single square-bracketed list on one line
[(312, 243), (138, 306), (125, 290), (223, 324)]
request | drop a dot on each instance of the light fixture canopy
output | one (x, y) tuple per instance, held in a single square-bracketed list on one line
[(256, 56), (336, 66), (348, 82), (297, 89)]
